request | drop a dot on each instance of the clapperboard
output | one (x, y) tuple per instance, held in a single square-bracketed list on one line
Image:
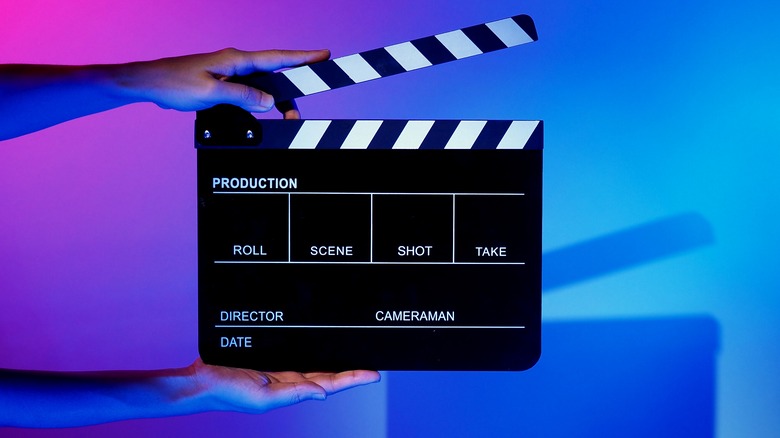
[(371, 244)]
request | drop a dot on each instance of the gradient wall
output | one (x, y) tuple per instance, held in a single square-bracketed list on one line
[(662, 138)]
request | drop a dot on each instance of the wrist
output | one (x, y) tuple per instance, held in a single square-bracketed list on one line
[(120, 81), (182, 391)]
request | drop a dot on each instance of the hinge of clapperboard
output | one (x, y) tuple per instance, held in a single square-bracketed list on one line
[(230, 126)]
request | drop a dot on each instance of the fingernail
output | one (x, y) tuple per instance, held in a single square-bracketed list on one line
[(267, 102), (319, 396)]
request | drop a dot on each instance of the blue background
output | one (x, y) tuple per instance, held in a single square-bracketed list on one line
[(662, 137)]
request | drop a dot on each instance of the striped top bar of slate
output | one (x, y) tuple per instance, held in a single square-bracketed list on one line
[(402, 134), (395, 59)]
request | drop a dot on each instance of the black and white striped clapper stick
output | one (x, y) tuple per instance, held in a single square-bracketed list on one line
[(398, 58), (402, 134)]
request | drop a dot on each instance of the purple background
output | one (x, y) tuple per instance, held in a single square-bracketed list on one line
[(661, 119)]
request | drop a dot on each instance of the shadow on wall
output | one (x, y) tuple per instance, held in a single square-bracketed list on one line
[(612, 378), (638, 378), (625, 249)]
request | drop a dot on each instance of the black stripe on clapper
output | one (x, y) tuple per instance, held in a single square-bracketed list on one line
[(331, 74), (492, 134), (484, 38), (536, 141), (334, 136), (275, 84), (387, 134), (279, 134), (440, 134), (527, 24), (382, 62), (433, 50)]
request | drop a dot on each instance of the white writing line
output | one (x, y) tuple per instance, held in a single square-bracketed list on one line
[(228, 262), (493, 327), (369, 193)]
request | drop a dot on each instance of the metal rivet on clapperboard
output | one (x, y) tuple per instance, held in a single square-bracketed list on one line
[(250, 135), (206, 134)]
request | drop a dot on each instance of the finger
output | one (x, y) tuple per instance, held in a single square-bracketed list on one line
[(289, 110), (248, 98), (286, 394), (270, 60), (333, 383)]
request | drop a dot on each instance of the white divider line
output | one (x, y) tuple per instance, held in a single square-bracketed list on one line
[(458, 327), (254, 262)]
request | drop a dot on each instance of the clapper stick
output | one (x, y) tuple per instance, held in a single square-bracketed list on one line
[(402, 134), (394, 59)]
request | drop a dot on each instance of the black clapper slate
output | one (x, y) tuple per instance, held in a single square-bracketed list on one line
[(327, 245)]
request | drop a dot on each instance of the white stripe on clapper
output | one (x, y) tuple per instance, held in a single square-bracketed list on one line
[(361, 134), (465, 134), (357, 68), (306, 80), (413, 135), (518, 134), (459, 44), (408, 56), (310, 134), (509, 32)]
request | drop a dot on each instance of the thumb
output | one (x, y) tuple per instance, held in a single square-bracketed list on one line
[(244, 96)]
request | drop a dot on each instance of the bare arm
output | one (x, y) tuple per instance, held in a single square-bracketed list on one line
[(33, 97), (45, 399)]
